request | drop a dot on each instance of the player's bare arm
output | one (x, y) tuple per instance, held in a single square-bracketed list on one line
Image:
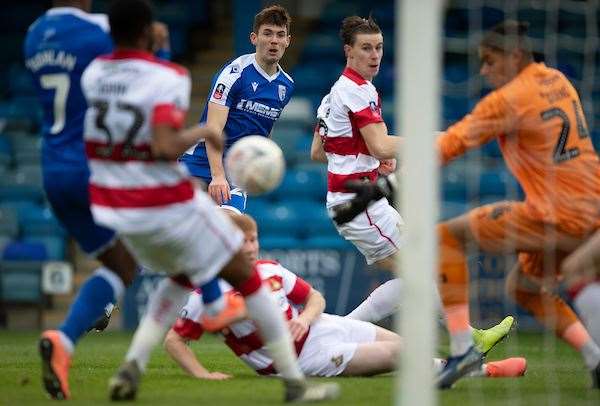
[(313, 308), (177, 347), (218, 188), (169, 143), (380, 144), (317, 153)]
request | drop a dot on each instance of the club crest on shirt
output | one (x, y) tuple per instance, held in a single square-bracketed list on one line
[(337, 361), (281, 92), (219, 90), (235, 69), (275, 284)]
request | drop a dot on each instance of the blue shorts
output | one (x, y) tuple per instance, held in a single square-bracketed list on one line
[(201, 170), (68, 194)]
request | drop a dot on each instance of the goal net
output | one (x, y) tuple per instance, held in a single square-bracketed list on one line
[(564, 34)]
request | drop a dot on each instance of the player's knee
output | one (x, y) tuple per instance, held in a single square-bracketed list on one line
[(237, 270), (118, 259)]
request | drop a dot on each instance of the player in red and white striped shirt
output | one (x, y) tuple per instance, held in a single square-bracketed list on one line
[(327, 345), (353, 139), (133, 134)]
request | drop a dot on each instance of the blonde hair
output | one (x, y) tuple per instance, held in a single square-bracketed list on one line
[(245, 222)]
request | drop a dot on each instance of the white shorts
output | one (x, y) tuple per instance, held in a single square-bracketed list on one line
[(331, 344), (199, 244), (376, 232)]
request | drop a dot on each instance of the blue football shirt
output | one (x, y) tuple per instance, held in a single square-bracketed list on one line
[(58, 47), (255, 100)]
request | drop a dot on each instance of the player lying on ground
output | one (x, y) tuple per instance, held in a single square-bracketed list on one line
[(327, 345), (133, 135), (536, 115)]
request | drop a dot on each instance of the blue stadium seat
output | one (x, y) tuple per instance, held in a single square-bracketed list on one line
[(24, 251), (536, 17), (456, 22), (451, 209), (278, 242), (491, 149), (9, 222), (491, 16), (301, 184), (55, 246), (5, 152), (20, 281), (322, 45), (41, 223), (570, 63), (456, 72), (17, 185), (257, 206), (498, 182), (572, 23), (20, 81), (455, 107), (314, 77), (315, 221), (336, 242), (454, 186), (280, 220)]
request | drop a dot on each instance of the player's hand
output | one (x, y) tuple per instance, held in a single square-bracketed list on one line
[(366, 192), (218, 189), (160, 36), (214, 376), (298, 327), (387, 166)]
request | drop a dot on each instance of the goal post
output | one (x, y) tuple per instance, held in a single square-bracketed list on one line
[(417, 89)]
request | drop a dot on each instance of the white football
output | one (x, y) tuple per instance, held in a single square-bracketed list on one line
[(255, 164)]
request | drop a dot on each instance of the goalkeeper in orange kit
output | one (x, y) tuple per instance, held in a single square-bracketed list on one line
[(535, 115)]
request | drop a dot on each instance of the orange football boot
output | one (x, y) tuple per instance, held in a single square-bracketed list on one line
[(56, 361), (235, 310), (507, 368)]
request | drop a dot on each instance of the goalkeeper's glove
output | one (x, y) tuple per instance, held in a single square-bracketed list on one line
[(366, 193)]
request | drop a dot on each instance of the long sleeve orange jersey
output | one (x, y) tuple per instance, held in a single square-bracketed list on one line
[(539, 123)]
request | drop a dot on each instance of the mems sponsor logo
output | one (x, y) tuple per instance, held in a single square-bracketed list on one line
[(259, 109)]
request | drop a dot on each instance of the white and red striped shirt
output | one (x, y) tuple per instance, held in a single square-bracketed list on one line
[(128, 93), (352, 103), (289, 291)]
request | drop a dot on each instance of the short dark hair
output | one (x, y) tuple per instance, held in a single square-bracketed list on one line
[(276, 15), (128, 20), (508, 36), (357, 25)]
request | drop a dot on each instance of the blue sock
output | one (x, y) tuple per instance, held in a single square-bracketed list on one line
[(211, 291), (89, 304)]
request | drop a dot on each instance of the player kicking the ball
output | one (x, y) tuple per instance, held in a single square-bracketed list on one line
[(133, 136)]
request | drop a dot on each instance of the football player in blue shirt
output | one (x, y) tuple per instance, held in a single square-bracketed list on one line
[(58, 47), (247, 96)]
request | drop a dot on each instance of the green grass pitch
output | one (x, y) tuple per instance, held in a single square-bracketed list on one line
[(556, 376)]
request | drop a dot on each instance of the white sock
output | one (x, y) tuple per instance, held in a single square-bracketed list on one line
[(479, 372), (215, 307), (587, 304), (66, 342), (163, 306), (591, 354), (438, 365), (381, 303), (273, 329), (461, 342)]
